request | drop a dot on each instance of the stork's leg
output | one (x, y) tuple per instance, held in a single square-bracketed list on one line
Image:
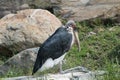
[(60, 66)]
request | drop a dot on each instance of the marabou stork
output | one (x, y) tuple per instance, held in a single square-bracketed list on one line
[(54, 49)]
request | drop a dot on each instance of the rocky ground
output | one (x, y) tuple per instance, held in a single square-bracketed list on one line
[(67, 76)]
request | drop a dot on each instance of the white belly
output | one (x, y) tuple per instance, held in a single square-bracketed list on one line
[(58, 60), (49, 63)]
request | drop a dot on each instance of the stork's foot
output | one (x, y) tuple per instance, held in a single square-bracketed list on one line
[(75, 69)]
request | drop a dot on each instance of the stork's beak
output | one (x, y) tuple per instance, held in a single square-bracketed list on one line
[(77, 41)]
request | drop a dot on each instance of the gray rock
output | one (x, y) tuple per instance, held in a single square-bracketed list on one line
[(23, 61), (28, 28), (67, 76), (81, 9), (85, 2), (15, 5), (94, 9), (3, 13)]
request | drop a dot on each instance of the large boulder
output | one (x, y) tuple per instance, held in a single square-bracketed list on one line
[(79, 10), (23, 61), (11, 6), (26, 29)]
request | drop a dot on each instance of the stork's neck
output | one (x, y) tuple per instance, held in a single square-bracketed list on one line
[(70, 31)]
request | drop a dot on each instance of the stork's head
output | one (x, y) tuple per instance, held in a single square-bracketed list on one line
[(71, 27)]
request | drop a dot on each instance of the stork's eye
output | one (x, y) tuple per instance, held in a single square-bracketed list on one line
[(67, 27)]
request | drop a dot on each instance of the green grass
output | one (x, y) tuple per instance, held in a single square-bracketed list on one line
[(100, 51)]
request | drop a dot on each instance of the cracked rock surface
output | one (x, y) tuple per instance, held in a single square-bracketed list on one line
[(26, 29)]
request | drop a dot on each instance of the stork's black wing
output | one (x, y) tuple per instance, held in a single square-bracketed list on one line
[(54, 47)]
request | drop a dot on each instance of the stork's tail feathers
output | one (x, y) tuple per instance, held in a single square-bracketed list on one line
[(34, 69), (37, 65)]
